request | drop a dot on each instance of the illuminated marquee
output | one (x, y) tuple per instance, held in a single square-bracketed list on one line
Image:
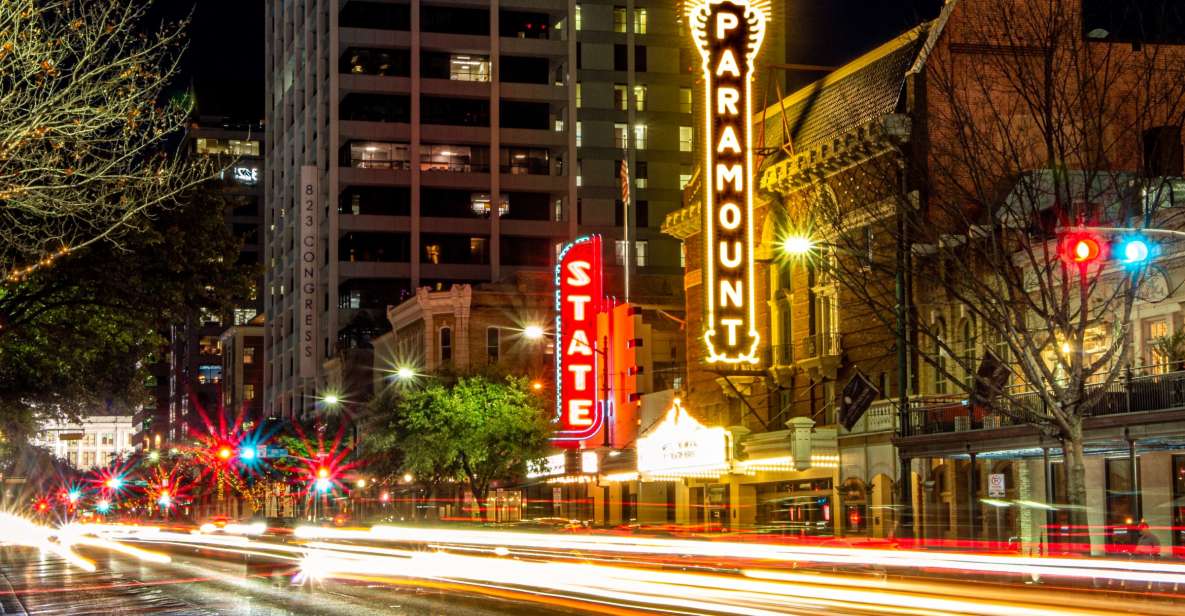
[(728, 34), (579, 297), (680, 446)]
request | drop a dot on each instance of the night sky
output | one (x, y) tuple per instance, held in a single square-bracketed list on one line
[(224, 62), (225, 59)]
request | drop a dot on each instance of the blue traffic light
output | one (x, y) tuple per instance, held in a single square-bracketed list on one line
[(1135, 250)]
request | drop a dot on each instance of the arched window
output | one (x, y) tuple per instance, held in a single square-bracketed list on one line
[(941, 366), (967, 344)]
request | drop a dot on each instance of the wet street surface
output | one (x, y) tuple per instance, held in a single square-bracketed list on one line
[(201, 584)]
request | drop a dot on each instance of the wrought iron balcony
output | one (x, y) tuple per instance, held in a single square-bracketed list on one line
[(953, 413)]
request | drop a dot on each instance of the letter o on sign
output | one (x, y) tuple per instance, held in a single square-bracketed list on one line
[(730, 216)]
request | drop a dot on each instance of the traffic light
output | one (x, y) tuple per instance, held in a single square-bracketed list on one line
[(1086, 247), (247, 453), (1081, 249), (1135, 250)]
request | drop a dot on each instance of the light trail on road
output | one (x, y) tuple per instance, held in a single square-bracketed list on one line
[(624, 574)]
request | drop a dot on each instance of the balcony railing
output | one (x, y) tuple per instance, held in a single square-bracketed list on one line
[(782, 354), (819, 345), (942, 414)]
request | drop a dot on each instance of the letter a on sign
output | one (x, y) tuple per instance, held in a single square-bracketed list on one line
[(579, 298), (728, 35)]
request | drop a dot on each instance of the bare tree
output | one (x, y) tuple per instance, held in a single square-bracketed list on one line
[(1025, 131), (85, 138)]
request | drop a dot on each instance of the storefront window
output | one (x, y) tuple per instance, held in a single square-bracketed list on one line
[(796, 507), (1121, 502), (855, 507)]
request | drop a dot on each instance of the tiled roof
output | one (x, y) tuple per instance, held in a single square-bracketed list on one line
[(863, 90)]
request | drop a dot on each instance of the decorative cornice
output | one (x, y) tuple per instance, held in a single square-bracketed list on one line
[(852, 147)]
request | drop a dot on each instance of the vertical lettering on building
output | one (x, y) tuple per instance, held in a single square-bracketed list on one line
[(728, 34), (579, 297), (309, 197)]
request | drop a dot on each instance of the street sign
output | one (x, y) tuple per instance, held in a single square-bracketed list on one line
[(995, 485)]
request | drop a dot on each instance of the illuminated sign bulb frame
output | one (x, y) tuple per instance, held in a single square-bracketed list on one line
[(567, 435), (714, 28)]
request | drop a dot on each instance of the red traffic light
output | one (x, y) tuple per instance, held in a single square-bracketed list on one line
[(1081, 249)]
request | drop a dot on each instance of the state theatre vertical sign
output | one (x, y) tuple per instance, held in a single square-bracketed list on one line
[(579, 298), (728, 34)]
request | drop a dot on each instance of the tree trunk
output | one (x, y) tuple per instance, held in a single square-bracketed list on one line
[(483, 507), (1076, 487)]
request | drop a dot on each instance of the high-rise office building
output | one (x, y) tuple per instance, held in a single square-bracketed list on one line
[(430, 142), (189, 372)]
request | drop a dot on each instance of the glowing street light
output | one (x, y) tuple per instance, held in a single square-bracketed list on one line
[(361, 483), (103, 506), (407, 478), (533, 332), (114, 483), (224, 453), (153, 456), (247, 453), (74, 495), (165, 500), (331, 399), (405, 373), (323, 484), (798, 245)]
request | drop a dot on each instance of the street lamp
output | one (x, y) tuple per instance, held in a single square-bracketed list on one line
[(331, 399), (405, 373), (534, 332), (798, 245)]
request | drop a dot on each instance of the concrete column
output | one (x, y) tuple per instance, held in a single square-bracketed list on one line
[(1096, 502), (414, 146), (972, 499), (495, 145), (1156, 484)]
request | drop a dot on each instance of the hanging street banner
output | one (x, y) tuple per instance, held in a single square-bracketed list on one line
[(857, 396), (728, 34), (579, 299)]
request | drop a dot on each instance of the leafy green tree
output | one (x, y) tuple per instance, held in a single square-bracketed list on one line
[(476, 430), (81, 333)]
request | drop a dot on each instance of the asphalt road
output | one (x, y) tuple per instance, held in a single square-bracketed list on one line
[(197, 584)]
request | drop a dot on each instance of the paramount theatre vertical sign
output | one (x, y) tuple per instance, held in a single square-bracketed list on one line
[(728, 34), (309, 217)]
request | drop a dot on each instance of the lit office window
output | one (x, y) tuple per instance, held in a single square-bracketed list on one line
[(464, 67), (619, 19), (639, 252), (579, 133), (686, 136), (579, 18), (640, 136), (640, 98), (620, 100), (685, 100), (641, 174), (620, 136), (639, 21)]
